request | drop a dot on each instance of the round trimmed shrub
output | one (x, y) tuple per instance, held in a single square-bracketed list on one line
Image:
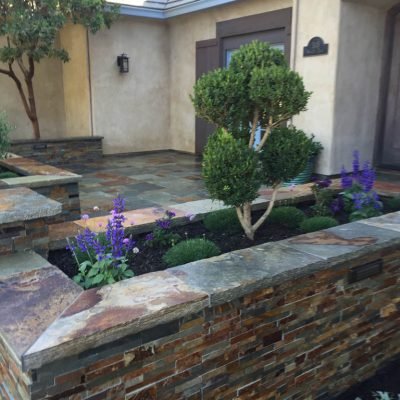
[(291, 217), (314, 224), (285, 155), (230, 169), (392, 204), (7, 175), (5, 129), (190, 250), (223, 221)]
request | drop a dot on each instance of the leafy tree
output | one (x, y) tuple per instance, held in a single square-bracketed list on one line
[(256, 91), (30, 29)]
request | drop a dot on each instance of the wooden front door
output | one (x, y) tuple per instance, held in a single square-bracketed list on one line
[(390, 147), (273, 27)]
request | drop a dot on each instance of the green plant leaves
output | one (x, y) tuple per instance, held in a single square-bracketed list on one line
[(231, 170)]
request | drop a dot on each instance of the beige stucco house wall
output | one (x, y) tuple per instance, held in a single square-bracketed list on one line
[(131, 110), (149, 108)]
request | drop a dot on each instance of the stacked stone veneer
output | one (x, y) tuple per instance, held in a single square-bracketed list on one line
[(55, 183), (278, 321), (24, 221), (59, 152)]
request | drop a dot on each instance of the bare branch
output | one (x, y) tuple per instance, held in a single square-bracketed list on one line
[(268, 210), (5, 72)]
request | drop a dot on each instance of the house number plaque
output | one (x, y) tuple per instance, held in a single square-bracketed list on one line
[(316, 47)]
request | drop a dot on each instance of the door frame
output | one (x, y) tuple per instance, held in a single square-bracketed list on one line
[(385, 81), (268, 21)]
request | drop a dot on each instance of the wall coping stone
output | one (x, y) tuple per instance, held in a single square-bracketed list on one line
[(35, 174), (21, 261), (58, 140), (100, 316), (23, 204)]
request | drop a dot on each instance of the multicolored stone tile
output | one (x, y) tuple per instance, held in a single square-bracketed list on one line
[(30, 302), (122, 308)]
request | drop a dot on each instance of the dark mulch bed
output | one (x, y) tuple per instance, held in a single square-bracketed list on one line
[(385, 380), (150, 259)]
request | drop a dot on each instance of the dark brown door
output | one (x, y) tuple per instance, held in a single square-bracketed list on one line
[(273, 27), (391, 133), (206, 60)]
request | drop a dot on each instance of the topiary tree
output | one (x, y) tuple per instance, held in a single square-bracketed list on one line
[(256, 91), (30, 29)]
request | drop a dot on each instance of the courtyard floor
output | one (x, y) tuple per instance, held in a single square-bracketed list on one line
[(149, 180)]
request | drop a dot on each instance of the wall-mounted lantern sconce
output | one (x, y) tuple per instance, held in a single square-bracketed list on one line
[(123, 63)]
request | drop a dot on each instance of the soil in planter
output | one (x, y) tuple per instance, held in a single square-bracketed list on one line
[(150, 259)]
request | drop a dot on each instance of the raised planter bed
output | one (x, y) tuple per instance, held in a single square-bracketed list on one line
[(59, 152), (55, 183), (305, 317)]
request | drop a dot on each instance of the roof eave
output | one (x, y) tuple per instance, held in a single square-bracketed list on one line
[(173, 11)]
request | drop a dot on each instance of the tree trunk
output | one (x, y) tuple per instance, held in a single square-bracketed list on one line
[(32, 109)]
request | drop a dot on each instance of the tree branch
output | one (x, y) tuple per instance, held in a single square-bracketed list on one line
[(5, 72), (268, 210), (254, 127), (268, 130)]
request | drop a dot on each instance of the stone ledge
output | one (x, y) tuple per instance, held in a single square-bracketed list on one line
[(59, 140), (23, 204), (101, 316)]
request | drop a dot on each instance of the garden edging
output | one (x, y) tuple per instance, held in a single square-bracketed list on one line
[(273, 302)]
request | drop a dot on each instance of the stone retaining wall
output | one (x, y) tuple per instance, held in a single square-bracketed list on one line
[(55, 183), (304, 318), (59, 152)]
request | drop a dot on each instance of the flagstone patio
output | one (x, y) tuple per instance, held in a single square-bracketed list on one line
[(147, 180)]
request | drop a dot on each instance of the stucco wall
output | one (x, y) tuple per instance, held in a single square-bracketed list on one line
[(131, 110), (358, 82), (76, 81), (48, 85), (185, 31), (319, 72)]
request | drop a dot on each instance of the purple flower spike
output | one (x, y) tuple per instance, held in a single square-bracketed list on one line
[(347, 181), (85, 217), (356, 163), (149, 237), (170, 214)]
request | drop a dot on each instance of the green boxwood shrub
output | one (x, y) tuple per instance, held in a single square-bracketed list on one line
[(223, 221), (190, 250), (7, 175), (291, 217), (314, 224), (392, 204), (5, 129)]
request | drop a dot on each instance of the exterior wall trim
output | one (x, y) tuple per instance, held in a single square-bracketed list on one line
[(385, 80)]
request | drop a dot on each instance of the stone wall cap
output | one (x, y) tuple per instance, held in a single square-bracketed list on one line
[(57, 140), (23, 204)]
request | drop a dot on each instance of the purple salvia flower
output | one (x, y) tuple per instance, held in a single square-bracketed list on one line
[(170, 214), (356, 163), (347, 181), (164, 224), (149, 237), (119, 204)]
